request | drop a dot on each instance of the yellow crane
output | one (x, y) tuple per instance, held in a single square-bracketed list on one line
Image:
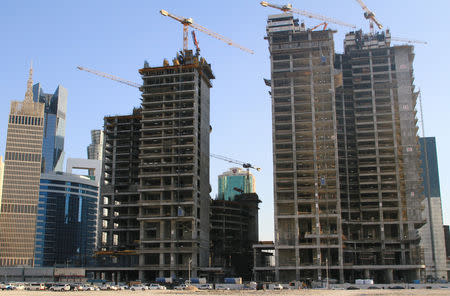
[(370, 15), (109, 76), (189, 22), (288, 8)]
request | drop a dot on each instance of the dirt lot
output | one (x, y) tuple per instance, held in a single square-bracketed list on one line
[(231, 293)]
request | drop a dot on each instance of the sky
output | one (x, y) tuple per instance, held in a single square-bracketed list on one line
[(117, 36)]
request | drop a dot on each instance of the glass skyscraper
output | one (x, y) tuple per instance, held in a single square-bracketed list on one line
[(234, 182), (54, 127), (66, 220)]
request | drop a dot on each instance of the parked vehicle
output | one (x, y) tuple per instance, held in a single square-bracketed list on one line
[(277, 287), (35, 287), (138, 287), (60, 287), (205, 287), (180, 287), (156, 287)]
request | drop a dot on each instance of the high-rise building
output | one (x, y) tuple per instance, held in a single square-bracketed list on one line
[(174, 168), (119, 229), (308, 233), (234, 182), (2, 166), (432, 233), (156, 176), (21, 180), (54, 127), (67, 220), (347, 173), (95, 149)]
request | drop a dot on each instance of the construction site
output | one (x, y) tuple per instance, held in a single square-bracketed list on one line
[(348, 185), (347, 176)]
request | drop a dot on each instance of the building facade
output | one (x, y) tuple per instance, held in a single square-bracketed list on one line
[(21, 180), (308, 233), (66, 220), (432, 233), (119, 229), (95, 149), (2, 166), (174, 168), (234, 230), (348, 185), (54, 127), (155, 189), (234, 182)]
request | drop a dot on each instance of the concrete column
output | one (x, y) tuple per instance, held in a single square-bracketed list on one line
[(366, 274), (141, 275)]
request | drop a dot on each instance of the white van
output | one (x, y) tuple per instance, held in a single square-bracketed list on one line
[(35, 287)]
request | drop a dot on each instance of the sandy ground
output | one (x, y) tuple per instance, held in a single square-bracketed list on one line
[(232, 293)]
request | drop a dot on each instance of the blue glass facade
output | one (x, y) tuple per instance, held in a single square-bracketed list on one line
[(66, 221), (428, 156), (54, 127)]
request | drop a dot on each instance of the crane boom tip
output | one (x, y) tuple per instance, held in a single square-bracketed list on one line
[(164, 12)]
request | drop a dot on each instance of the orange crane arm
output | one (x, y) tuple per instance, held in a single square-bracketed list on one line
[(289, 8), (109, 76), (189, 22)]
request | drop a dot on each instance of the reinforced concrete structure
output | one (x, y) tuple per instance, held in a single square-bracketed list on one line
[(432, 233), (21, 180), (155, 194), (234, 229), (308, 233), (174, 168), (119, 229), (234, 182), (346, 156)]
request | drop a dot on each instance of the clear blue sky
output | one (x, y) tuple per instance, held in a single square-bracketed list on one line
[(117, 36)]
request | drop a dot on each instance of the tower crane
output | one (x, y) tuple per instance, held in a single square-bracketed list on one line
[(370, 15), (189, 22), (244, 164), (109, 76), (288, 8), (408, 40)]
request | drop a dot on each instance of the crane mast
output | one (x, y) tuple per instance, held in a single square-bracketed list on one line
[(189, 22), (288, 8)]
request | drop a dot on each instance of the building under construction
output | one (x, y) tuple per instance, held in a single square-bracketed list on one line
[(156, 163), (346, 159)]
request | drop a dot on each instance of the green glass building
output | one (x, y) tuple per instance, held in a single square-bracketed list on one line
[(234, 182)]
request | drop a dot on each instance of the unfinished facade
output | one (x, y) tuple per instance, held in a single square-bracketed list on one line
[(346, 157), (381, 217), (234, 229), (174, 168), (119, 229), (308, 234)]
